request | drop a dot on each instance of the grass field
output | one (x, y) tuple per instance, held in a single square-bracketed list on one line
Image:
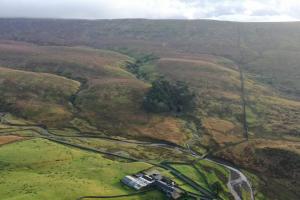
[(206, 175), (38, 169), (139, 151)]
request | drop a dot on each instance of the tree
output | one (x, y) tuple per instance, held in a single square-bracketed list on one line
[(165, 96)]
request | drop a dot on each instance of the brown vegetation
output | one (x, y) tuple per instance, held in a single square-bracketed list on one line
[(9, 139)]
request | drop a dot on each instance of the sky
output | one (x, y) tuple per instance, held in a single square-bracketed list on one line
[(232, 10)]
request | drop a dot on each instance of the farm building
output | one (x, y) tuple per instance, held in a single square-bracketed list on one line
[(143, 180), (171, 190), (138, 181)]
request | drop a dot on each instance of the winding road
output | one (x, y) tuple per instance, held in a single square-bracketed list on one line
[(236, 181)]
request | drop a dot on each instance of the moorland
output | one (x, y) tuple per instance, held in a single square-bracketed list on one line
[(73, 89)]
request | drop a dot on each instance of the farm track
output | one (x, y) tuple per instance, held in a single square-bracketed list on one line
[(237, 181), (45, 134)]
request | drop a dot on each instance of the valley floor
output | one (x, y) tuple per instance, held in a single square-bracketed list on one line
[(36, 166)]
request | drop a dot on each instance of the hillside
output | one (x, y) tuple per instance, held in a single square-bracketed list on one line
[(273, 120), (105, 96), (70, 78), (56, 170), (259, 41), (40, 97)]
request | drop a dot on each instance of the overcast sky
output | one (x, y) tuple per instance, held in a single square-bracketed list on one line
[(236, 10)]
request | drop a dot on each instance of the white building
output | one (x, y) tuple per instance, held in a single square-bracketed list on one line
[(138, 182)]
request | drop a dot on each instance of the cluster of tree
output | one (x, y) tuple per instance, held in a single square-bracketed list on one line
[(168, 97), (136, 67)]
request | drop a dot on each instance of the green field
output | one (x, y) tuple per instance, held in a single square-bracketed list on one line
[(207, 175), (143, 152), (38, 169)]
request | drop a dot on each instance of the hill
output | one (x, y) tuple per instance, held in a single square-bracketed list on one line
[(78, 70), (106, 96), (40, 97), (258, 41)]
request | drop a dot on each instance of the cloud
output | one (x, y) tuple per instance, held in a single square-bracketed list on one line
[(236, 10)]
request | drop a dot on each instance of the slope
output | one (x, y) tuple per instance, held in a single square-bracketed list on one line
[(39, 169), (109, 98), (40, 97), (165, 37)]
